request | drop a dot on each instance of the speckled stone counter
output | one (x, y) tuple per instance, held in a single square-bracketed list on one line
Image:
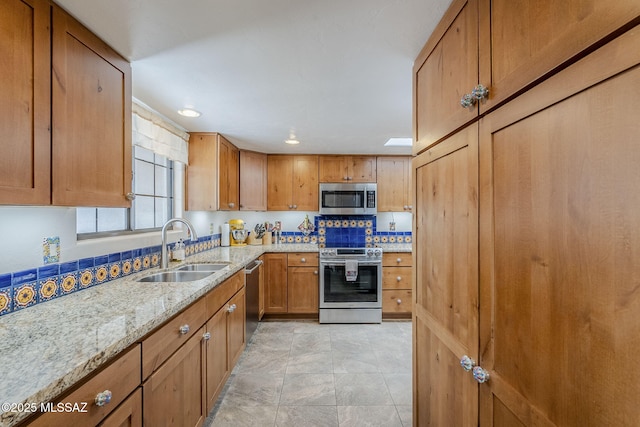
[(49, 347)]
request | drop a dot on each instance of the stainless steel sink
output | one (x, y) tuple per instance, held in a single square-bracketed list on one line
[(176, 276), (210, 267)]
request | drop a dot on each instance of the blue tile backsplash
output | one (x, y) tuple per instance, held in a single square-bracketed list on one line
[(26, 288)]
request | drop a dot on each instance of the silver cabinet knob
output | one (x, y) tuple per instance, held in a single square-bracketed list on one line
[(405, 207), (479, 93), (295, 206), (130, 196), (232, 205), (315, 272), (480, 375), (184, 329), (231, 308), (399, 260), (303, 260), (399, 278), (410, 207), (206, 336), (103, 398), (399, 301), (467, 363), (290, 206)]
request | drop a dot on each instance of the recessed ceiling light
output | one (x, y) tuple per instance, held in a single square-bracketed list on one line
[(189, 112), (399, 142), (292, 139)]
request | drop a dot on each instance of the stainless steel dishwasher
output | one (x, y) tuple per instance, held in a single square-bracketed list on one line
[(252, 291)]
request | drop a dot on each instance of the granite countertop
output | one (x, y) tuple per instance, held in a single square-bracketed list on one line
[(47, 348)]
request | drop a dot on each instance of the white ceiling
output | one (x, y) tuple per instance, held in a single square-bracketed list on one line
[(336, 72)]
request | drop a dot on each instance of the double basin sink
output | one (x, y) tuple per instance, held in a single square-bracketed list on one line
[(186, 273)]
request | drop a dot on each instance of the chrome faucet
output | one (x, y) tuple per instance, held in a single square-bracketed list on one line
[(164, 262)]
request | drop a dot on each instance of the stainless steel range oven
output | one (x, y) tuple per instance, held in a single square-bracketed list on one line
[(350, 285)]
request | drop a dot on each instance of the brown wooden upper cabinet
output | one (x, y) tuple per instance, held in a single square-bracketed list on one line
[(253, 181), (518, 45), (86, 158), (25, 105), (213, 173), (347, 169), (394, 184), (292, 183)]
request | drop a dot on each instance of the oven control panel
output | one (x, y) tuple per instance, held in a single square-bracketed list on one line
[(351, 253)]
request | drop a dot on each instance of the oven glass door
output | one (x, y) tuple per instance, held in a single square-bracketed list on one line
[(337, 292)]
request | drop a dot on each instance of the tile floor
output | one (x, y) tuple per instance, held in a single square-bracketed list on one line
[(302, 373)]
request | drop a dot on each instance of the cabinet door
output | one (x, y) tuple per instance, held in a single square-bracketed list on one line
[(229, 177), (174, 394), (25, 105), (275, 283), (303, 290), (201, 184), (362, 169), (128, 414), (91, 115), (394, 184), (305, 183), (261, 290), (446, 287), (445, 70), (524, 40), (333, 169), (236, 332), (217, 360), (279, 182), (253, 181), (559, 243)]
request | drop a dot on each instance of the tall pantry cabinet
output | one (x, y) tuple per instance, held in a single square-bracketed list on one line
[(526, 224)]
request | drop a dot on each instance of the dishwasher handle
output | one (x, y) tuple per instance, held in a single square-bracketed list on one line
[(257, 263)]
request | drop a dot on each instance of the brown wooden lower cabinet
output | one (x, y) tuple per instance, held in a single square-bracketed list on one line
[(217, 359), (291, 283), (121, 377), (128, 414), (396, 284), (174, 395)]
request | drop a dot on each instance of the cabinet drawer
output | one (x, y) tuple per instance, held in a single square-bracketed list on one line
[(121, 377), (396, 277), (307, 259), (396, 301), (223, 292), (158, 346), (398, 259)]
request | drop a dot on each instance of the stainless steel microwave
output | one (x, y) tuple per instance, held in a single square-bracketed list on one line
[(349, 199)]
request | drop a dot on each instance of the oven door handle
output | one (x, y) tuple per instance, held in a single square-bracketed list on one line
[(330, 263)]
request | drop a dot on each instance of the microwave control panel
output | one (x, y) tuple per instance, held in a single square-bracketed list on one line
[(371, 199)]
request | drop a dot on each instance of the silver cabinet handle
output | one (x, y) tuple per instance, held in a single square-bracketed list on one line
[(206, 336), (467, 363), (184, 329), (480, 375), (231, 308), (103, 398)]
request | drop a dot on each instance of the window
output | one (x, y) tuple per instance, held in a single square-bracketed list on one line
[(152, 207)]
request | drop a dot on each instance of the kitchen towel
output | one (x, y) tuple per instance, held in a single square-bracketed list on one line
[(351, 270)]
